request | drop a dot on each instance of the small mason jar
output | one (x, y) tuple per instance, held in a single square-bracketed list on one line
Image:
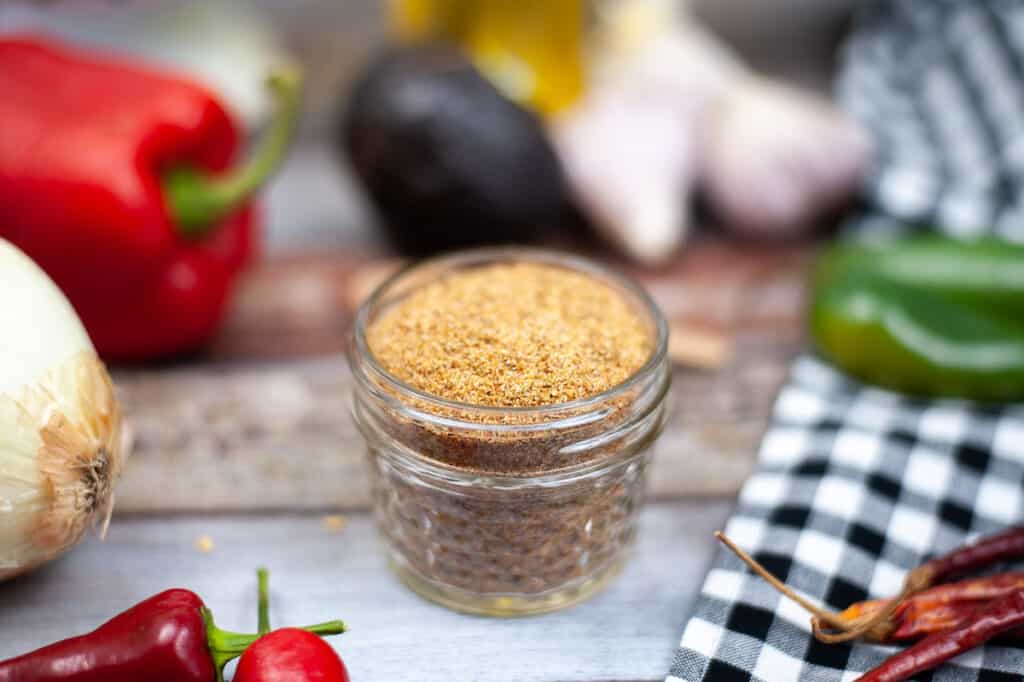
[(507, 511)]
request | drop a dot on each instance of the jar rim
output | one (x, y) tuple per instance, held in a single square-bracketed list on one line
[(536, 255)]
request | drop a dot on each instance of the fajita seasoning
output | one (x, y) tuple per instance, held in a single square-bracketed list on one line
[(512, 335), (508, 399)]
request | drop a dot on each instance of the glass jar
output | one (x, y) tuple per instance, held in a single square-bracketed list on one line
[(507, 511)]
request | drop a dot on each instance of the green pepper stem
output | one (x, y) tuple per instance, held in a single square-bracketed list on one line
[(331, 627), (226, 646), (263, 600), (197, 200)]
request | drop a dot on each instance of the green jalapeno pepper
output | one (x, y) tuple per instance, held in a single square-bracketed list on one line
[(925, 315)]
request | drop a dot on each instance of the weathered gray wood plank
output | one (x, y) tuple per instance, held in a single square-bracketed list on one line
[(280, 436), (260, 420), (629, 632)]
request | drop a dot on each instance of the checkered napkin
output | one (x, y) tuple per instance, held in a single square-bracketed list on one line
[(855, 486), (940, 86)]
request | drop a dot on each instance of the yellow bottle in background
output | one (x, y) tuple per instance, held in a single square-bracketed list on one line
[(533, 50)]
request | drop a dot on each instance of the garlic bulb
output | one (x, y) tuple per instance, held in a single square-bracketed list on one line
[(61, 437), (776, 159), (671, 110), (632, 148)]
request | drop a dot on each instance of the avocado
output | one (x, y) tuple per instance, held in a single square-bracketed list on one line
[(446, 159)]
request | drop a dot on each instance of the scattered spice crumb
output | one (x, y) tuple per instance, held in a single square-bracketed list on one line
[(512, 335), (204, 543), (334, 523)]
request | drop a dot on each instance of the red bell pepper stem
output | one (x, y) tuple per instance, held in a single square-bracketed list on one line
[(197, 199), (263, 601)]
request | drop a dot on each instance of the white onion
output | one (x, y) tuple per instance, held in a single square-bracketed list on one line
[(61, 437)]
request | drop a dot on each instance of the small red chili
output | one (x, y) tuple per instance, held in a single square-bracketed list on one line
[(288, 654)]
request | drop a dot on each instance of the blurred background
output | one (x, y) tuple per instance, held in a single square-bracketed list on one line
[(695, 145), (315, 201)]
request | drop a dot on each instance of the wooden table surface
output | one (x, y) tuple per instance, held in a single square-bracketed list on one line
[(250, 446)]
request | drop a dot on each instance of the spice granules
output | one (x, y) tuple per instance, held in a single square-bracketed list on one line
[(512, 335), (528, 507)]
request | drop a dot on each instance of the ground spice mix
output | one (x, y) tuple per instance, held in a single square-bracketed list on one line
[(508, 399), (512, 335)]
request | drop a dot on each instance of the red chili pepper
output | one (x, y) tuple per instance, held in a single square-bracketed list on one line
[(988, 621), (169, 637), (989, 550), (936, 609), (162, 639), (878, 620), (288, 654), (119, 181), (972, 558)]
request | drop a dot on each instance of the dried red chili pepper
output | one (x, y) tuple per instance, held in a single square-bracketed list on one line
[(879, 622), (985, 552), (936, 609), (971, 558), (960, 615), (991, 619)]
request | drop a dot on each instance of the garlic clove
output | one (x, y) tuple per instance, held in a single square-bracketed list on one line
[(777, 158), (631, 149), (632, 184)]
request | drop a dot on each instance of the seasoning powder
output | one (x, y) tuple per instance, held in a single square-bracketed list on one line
[(512, 335)]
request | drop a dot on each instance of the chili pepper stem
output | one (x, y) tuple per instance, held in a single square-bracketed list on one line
[(197, 200), (331, 627), (879, 625), (224, 645), (832, 619), (263, 601)]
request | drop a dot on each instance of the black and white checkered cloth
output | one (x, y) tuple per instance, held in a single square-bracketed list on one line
[(855, 486), (940, 85)]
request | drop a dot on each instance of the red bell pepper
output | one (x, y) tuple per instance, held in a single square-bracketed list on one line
[(120, 181)]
